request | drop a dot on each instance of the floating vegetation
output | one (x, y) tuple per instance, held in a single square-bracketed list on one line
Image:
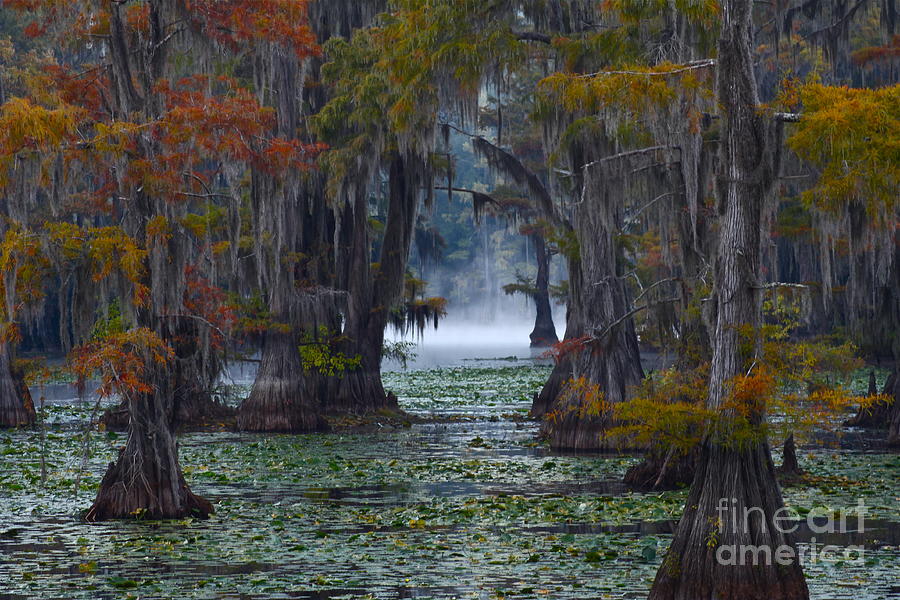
[(448, 509)]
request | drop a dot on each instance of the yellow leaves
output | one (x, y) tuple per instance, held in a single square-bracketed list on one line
[(109, 251), (665, 410), (116, 137), (701, 12), (158, 231), (28, 127), (67, 239), (632, 93), (25, 125), (584, 397), (220, 248), (853, 136), (23, 269)]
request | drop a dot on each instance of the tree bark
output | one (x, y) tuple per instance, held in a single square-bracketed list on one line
[(544, 332), (879, 415), (561, 373), (281, 399), (790, 468), (16, 407), (738, 476), (598, 302), (894, 430), (146, 480), (373, 290)]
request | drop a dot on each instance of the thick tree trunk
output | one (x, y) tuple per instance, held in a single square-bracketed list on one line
[(544, 332), (543, 400), (146, 480), (739, 478), (281, 398), (878, 416), (360, 391), (599, 308), (894, 430), (374, 290), (697, 565), (562, 369), (16, 407)]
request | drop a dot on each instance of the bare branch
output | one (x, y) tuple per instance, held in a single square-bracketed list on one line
[(691, 66), (786, 117), (532, 36), (630, 313), (780, 284)]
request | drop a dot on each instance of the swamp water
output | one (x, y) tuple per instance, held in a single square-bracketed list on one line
[(465, 506)]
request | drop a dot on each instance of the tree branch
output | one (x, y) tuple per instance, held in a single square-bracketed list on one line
[(532, 36), (786, 117), (630, 313), (647, 150), (697, 64), (780, 284)]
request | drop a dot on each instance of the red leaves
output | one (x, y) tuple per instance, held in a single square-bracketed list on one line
[(122, 360), (281, 155), (228, 124), (208, 302), (237, 22), (562, 349), (875, 54)]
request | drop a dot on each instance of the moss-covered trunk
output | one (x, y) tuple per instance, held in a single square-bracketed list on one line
[(146, 479), (738, 476), (374, 289), (600, 312)]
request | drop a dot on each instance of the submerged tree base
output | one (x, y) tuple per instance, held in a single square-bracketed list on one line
[(199, 414), (361, 393), (543, 336), (16, 406), (16, 412), (277, 406), (132, 490), (790, 469), (283, 395), (879, 415), (893, 440), (663, 471), (729, 512)]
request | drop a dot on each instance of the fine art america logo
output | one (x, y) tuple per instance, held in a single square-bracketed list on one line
[(819, 521)]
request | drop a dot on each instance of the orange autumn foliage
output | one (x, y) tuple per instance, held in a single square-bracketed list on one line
[(123, 361)]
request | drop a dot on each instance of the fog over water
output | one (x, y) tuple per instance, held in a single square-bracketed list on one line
[(466, 337)]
